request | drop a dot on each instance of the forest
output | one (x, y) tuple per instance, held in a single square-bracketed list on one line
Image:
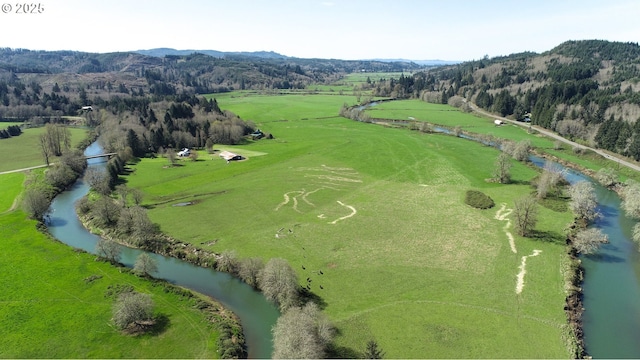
[(151, 103), (585, 90)]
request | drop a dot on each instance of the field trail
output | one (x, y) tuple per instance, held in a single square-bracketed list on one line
[(501, 215), (324, 178), (523, 271), (353, 212)]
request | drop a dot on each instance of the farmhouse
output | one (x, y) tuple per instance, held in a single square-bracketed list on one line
[(227, 155)]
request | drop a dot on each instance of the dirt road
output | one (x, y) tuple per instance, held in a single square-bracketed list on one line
[(553, 135), (23, 169)]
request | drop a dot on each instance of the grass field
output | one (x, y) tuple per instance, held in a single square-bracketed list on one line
[(381, 213), (11, 187), (24, 151), (50, 310)]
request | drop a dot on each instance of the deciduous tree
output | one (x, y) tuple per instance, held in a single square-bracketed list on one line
[(525, 213), (302, 333), (108, 249), (249, 269), (35, 203), (631, 202), (279, 283), (587, 241), (145, 265), (502, 168), (583, 201), (606, 176), (548, 180), (133, 309)]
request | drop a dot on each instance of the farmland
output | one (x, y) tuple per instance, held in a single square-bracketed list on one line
[(376, 216), (50, 289), (24, 150)]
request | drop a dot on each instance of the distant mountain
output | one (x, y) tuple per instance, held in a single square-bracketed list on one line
[(162, 52), (423, 62)]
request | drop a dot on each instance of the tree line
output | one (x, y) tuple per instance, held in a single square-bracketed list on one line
[(10, 131), (578, 89)]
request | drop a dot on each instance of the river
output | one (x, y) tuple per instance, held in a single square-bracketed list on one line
[(611, 287), (256, 314), (611, 320)]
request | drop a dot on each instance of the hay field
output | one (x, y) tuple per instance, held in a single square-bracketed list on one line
[(380, 213)]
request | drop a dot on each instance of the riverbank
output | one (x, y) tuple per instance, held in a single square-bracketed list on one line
[(252, 309)]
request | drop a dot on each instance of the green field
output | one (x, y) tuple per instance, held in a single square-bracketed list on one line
[(380, 211), (50, 310), (24, 151)]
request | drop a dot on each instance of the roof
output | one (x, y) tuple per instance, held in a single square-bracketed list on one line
[(227, 155)]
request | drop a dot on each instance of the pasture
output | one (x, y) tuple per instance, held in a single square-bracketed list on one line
[(54, 303), (375, 218), (24, 151)]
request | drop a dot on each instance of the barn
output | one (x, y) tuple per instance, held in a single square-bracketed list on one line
[(227, 155)]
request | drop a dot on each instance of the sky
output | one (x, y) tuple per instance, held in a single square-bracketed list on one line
[(332, 29)]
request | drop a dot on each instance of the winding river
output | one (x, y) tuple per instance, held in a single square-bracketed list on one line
[(611, 286), (256, 314)]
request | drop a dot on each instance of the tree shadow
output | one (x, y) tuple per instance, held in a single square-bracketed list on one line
[(342, 352), (307, 295), (161, 324), (605, 258), (519, 182), (548, 236)]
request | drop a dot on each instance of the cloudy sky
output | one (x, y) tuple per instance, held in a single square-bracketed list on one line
[(344, 29)]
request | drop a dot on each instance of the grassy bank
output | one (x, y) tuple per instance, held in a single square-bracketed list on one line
[(375, 218), (55, 302), (24, 151)]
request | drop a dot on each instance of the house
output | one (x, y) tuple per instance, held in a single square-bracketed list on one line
[(87, 108), (227, 155), (498, 122), (184, 152)]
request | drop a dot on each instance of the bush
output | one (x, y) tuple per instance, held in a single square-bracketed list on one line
[(478, 200)]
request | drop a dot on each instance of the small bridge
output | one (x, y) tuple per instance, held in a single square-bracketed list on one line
[(107, 155)]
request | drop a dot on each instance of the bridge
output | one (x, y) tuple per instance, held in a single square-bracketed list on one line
[(99, 156)]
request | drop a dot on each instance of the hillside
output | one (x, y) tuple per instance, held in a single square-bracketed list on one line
[(585, 90), (59, 83)]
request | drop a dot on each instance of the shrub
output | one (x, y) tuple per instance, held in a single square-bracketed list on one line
[(478, 200)]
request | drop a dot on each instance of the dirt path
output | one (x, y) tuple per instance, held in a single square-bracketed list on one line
[(523, 271), (353, 212), (501, 215), (23, 169)]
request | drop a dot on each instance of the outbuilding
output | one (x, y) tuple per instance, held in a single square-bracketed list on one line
[(228, 155), (498, 122)]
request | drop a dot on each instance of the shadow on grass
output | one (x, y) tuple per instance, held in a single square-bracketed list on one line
[(519, 182), (555, 204), (162, 323), (342, 352), (548, 236), (308, 295)]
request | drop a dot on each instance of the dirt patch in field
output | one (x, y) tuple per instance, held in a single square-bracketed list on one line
[(324, 178)]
